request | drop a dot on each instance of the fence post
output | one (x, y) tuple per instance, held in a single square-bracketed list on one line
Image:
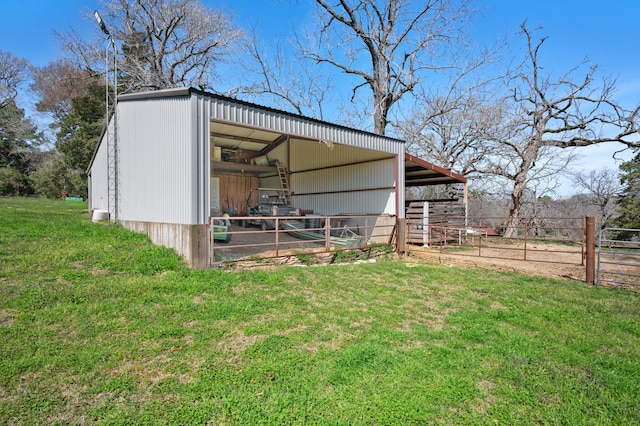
[(327, 234), (401, 241), (277, 225), (590, 223), (526, 233), (210, 257)]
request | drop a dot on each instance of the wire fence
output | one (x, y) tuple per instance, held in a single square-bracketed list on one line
[(542, 239), (618, 257), (263, 237)]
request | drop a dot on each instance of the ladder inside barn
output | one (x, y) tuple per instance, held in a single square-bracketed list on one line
[(284, 182)]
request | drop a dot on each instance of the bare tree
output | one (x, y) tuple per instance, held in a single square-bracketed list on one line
[(163, 43), (549, 113), (56, 85), (285, 81), (14, 71), (390, 45), (452, 132), (602, 187)]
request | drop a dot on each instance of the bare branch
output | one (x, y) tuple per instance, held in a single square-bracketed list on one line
[(286, 82), (548, 113), (166, 43), (399, 39), (14, 72)]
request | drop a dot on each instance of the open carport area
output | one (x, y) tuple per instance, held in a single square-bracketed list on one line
[(295, 236)]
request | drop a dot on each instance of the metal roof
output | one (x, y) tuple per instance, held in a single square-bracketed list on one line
[(237, 135), (419, 172), (187, 91)]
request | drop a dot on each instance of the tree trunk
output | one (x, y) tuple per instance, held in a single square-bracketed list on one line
[(528, 157), (511, 230), (380, 123), (380, 111)]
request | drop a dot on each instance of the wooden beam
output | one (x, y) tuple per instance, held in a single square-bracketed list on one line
[(226, 166), (241, 138), (273, 145)]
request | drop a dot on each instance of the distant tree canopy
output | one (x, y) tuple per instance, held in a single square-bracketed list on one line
[(629, 200), (19, 141), (56, 84), (13, 72), (80, 130)]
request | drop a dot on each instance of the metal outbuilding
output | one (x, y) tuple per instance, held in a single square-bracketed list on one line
[(173, 158)]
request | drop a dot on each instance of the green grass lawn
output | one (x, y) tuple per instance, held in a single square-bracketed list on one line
[(99, 326)]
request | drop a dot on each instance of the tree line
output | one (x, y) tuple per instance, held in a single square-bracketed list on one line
[(403, 68)]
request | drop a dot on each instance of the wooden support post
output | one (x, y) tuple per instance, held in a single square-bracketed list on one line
[(526, 233), (590, 230), (401, 241)]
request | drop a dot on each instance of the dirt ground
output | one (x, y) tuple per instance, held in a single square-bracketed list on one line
[(542, 259), (251, 243)]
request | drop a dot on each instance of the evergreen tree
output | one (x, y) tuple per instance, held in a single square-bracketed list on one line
[(19, 141), (80, 131), (54, 177), (629, 201)]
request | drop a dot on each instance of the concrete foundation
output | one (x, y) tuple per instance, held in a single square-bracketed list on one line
[(189, 241)]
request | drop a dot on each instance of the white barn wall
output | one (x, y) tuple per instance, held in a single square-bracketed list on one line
[(98, 178), (164, 167), (367, 188), (348, 203), (157, 161), (307, 155), (358, 177)]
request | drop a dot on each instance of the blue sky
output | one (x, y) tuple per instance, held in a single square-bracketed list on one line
[(605, 32)]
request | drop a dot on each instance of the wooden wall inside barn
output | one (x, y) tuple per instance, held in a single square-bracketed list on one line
[(427, 227), (234, 190)]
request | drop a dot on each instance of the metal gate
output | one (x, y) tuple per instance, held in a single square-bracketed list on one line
[(542, 239), (619, 257)]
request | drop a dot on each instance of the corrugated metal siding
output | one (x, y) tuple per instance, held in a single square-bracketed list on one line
[(378, 202), (307, 155), (98, 179), (343, 146), (355, 188), (157, 161), (227, 110), (379, 174), (201, 111)]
